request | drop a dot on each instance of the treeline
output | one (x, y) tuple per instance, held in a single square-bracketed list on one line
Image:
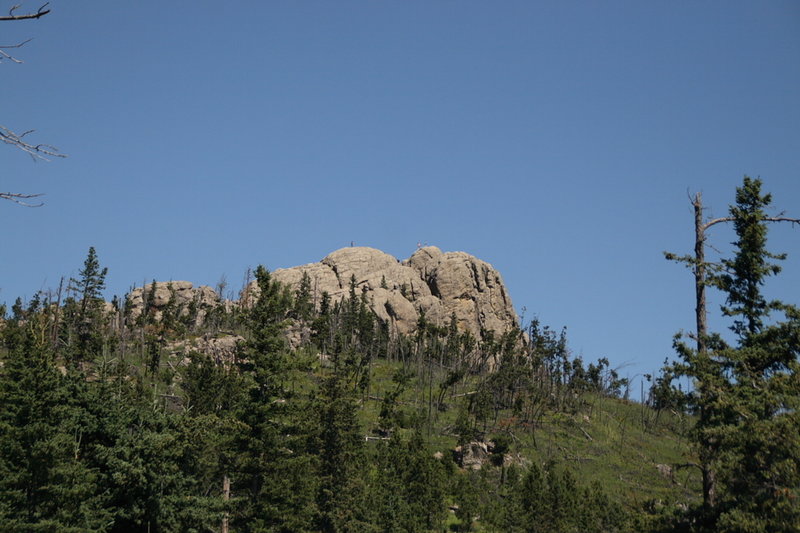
[(100, 431)]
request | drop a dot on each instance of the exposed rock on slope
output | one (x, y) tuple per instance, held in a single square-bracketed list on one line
[(440, 284), (186, 299)]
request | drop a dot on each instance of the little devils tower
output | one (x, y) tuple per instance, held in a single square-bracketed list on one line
[(440, 284)]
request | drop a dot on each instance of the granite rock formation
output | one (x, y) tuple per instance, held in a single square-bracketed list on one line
[(440, 284), (184, 296)]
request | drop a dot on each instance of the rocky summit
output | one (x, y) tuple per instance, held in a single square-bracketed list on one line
[(440, 284)]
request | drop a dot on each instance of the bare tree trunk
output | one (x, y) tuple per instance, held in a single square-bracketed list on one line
[(57, 316), (706, 452), (700, 273), (226, 496)]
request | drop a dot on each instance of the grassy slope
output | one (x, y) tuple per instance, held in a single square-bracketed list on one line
[(616, 442)]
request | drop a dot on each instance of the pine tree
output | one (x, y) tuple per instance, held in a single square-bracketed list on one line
[(410, 486), (272, 481), (44, 483), (744, 275), (748, 395), (303, 304), (761, 447), (340, 448), (83, 314)]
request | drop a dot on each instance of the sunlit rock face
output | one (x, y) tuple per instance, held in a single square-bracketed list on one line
[(186, 298), (440, 284)]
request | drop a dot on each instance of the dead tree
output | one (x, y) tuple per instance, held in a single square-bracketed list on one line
[(700, 268), (19, 140), (42, 11)]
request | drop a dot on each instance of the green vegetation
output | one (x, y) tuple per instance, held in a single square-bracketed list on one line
[(108, 422), (747, 393)]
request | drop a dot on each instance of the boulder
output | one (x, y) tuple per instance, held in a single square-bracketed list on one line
[(472, 455), (394, 309)]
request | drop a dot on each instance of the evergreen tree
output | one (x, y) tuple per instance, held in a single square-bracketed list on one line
[(303, 304), (341, 491), (83, 334), (761, 447), (748, 395), (744, 275), (272, 480), (44, 484), (410, 486)]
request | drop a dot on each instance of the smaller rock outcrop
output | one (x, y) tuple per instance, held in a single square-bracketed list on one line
[(220, 348), (473, 455), (182, 295)]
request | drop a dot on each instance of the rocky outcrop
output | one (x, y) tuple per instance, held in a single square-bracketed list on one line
[(186, 299), (440, 284), (473, 455), (467, 287), (222, 349)]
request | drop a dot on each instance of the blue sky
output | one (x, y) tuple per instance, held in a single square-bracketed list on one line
[(555, 140)]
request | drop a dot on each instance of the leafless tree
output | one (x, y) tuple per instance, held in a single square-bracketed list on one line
[(20, 140)]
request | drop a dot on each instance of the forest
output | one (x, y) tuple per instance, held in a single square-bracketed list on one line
[(114, 421)]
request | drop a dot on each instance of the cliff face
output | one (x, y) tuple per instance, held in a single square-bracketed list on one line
[(430, 281)]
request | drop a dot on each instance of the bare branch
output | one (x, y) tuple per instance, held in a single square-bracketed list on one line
[(716, 221), (6, 55), (19, 198), (783, 219), (42, 11), (36, 151)]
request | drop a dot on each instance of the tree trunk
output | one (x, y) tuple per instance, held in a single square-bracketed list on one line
[(226, 496), (709, 489)]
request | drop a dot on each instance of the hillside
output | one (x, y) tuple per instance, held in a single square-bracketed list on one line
[(315, 402)]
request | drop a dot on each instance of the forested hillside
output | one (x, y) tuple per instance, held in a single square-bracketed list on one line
[(282, 413)]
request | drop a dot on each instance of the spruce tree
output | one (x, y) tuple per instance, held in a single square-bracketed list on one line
[(747, 394), (760, 449), (271, 481), (83, 312), (45, 485)]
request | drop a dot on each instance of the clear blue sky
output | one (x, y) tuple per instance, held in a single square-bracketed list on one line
[(555, 140)]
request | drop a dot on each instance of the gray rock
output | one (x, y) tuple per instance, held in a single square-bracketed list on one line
[(184, 293), (439, 284), (472, 455), (467, 287)]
